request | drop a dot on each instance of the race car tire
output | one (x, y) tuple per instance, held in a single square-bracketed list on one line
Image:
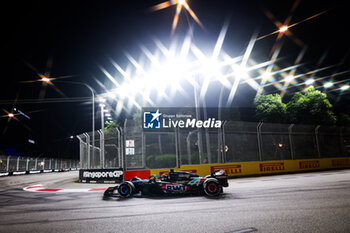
[(211, 187), (126, 189)]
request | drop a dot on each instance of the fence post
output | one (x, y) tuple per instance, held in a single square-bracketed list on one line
[(100, 133), (27, 164), (143, 150), (317, 142), (8, 163), (179, 146), (258, 128), (176, 148), (220, 145), (123, 145), (81, 148), (291, 140), (119, 158), (17, 165), (189, 147), (102, 147), (43, 166), (122, 158), (88, 149), (223, 145), (50, 167)]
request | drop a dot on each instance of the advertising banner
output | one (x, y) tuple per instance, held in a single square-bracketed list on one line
[(101, 175), (262, 168)]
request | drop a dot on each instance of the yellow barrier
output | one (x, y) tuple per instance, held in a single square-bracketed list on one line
[(264, 167)]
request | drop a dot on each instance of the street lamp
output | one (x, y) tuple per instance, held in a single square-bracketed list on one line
[(345, 87), (46, 80), (310, 81), (93, 105), (328, 85), (102, 104), (289, 78), (283, 29)]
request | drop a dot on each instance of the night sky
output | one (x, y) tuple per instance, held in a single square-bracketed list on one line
[(80, 36)]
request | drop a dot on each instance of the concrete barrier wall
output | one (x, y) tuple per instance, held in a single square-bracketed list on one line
[(250, 168), (261, 168)]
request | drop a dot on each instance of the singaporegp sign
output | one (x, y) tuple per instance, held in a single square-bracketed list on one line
[(101, 175)]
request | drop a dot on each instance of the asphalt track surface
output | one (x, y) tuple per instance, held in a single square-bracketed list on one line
[(307, 202)]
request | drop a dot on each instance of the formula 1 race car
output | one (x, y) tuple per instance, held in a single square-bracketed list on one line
[(174, 183)]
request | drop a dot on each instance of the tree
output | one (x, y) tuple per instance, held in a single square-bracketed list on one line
[(343, 119), (110, 127), (269, 108), (313, 107)]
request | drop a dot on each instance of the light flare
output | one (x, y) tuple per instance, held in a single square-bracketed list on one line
[(180, 4), (345, 87), (328, 85), (309, 81), (283, 29), (289, 78)]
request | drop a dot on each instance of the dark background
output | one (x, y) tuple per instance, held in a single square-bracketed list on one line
[(81, 35)]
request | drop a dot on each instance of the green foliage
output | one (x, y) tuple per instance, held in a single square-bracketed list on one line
[(110, 126), (343, 119), (313, 107), (169, 160), (161, 161), (269, 108), (137, 116)]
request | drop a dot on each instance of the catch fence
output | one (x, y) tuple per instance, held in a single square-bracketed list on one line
[(22, 164), (132, 148)]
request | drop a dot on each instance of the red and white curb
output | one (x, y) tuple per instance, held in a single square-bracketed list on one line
[(41, 188)]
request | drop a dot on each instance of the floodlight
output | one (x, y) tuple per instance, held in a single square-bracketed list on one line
[(111, 95), (289, 78), (283, 29), (181, 2), (266, 76), (345, 87), (240, 71), (328, 85), (45, 79), (310, 81), (101, 99)]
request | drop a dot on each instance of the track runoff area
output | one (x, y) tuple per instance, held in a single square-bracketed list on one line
[(304, 202)]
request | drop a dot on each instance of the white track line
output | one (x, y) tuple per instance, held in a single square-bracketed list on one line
[(41, 188)]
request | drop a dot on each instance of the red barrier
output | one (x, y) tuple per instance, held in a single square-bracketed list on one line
[(143, 174)]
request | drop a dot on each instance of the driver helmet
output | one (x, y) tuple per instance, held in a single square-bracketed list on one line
[(171, 174)]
